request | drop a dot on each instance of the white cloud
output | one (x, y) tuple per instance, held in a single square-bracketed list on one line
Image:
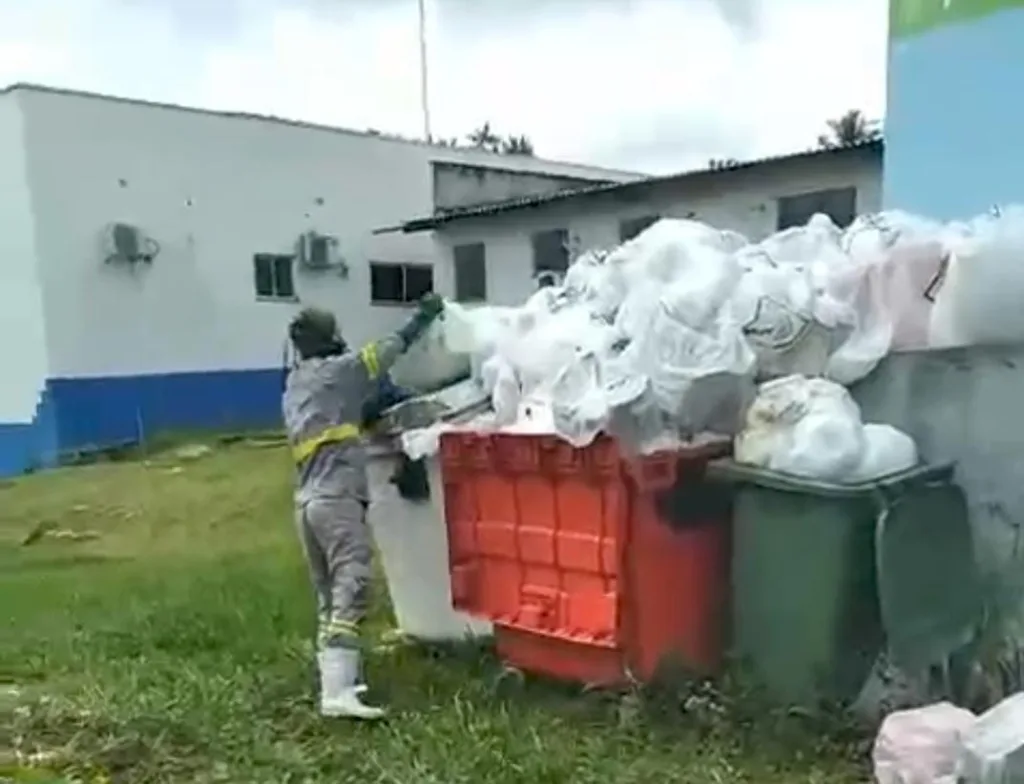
[(651, 84)]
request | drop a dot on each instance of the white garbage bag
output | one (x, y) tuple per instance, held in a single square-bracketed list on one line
[(913, 273), (469, 330), (553, 342), (589, 279), (887, 451), (501, 380), (431, 363), (579, 405), (817, 241), (707, 280), (871, 330), (678, 359), (682, 266), (422, 441), (874, 235), (776, 305), (811, 427), (921, 746), (827, 444), (993, 747), (979, 299), (807, 427), (896, 263), (638, 309)]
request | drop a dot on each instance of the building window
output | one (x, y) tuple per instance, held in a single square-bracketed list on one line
[(840, 204), (274, 276), (550, 251), (631, 227), (470, 272), (401, 284)]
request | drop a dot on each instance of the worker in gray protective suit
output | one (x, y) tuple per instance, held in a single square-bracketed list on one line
[(323, 404)]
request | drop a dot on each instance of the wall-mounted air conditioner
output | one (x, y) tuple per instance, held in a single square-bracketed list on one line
[(128, 244), (320, 252)]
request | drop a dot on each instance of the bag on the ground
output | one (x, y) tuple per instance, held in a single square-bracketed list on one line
[(921, 746)]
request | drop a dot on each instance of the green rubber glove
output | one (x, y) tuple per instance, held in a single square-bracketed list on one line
[(430, 307)]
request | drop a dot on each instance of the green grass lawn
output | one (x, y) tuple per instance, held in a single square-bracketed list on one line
[(175, 647)]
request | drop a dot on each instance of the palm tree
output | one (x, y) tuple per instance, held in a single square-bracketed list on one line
[(517, 145), (485, 138), (851, 129)]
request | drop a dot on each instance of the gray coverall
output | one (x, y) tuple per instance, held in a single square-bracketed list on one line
[(322, 404)]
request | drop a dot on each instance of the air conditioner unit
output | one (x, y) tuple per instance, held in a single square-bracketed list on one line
[(124, 242), (318, 251)]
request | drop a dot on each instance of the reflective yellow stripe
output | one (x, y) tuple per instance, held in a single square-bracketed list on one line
[(368, 355), (332, 435)]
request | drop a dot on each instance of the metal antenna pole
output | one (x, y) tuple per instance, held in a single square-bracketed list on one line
[(424, 79)]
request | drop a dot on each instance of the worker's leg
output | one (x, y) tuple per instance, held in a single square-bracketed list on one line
[(343, 535), (319, 574), (349, 555)]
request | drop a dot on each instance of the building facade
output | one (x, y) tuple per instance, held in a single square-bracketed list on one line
[(152, 256), (496, 252)]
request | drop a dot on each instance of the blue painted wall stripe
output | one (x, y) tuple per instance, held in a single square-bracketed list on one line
[(82, 414), (104, 411)]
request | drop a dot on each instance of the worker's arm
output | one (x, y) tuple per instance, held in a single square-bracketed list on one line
[(376, 358)]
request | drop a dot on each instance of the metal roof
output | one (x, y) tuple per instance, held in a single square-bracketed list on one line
[(443, 217)]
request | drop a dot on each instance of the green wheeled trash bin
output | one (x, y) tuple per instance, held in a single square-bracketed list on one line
[(826, 576)]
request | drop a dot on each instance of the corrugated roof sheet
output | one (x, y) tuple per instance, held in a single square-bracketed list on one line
[(446, 216)]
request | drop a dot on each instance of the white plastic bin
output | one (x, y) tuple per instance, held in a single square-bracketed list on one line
[(412, 540)]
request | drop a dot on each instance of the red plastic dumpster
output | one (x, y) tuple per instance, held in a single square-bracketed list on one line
[(593, 568)]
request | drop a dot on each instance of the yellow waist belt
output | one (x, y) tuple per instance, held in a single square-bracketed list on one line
[(304, 450)]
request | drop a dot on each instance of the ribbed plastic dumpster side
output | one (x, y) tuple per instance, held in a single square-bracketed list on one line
[(593, 568), (807, 615)]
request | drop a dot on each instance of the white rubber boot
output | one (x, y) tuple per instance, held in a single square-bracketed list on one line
[(340, 687)]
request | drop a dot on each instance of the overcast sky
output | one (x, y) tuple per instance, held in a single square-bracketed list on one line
[(650, 85)]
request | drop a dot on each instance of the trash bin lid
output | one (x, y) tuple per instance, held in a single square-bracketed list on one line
[(930, 587), (728, 470)]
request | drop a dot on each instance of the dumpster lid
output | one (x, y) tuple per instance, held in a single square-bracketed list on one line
[(728, 470), (930, 588), (454, 405)]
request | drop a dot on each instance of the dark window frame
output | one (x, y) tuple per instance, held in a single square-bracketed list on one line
[(406, 296), (840, 204), (274, 277), (543, 241), (631, 227), (469, 269)]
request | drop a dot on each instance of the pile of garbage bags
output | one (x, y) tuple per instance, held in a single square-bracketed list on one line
[(945, 744), (668, 335)]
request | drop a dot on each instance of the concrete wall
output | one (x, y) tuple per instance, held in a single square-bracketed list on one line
[(744, 200), (960, 405), (184, 342), (458, 185), (952, 129), (26, 422)]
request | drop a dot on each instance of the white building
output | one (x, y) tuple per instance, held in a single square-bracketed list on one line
[(152, 255), (496, 251)]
